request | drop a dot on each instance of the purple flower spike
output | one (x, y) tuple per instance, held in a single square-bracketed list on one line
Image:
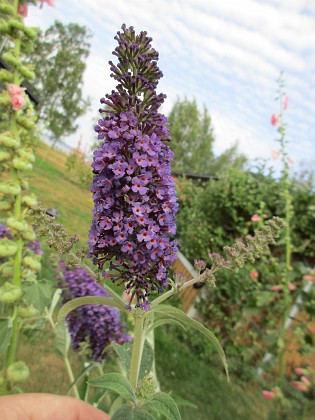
[(96, 325), (132, 175)]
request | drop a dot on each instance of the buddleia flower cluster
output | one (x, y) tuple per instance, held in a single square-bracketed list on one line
[(94, 325), (133, 191)]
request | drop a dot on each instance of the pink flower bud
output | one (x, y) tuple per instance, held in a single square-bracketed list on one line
[(275, 154), (309, 278), (268, 395), (255, 218), (253, 275), (16, 96), (300, 371), (286, 102), (23, 9), (292, 287), (275, 118), (300, 386), (276, 288)]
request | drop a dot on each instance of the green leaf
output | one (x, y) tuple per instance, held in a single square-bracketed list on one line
[(55, 300), (125, 412), (80, 376), (183, 318), (183, 402), (117, 383), (38, 294), (165, 405), (86, 300), (163, 321), (124, 354), (62, 339), (5, 334)]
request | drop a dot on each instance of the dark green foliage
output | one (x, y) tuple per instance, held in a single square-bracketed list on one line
[(59, 60)]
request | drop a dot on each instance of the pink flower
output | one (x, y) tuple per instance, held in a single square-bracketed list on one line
[(300, 371), (268, 395), (16, 96), (23, 9), (253, 275), (49, 2), (275, 154), (286, 102), (309, 278), (300, 386), (292, 287), (255, 218), (276, 288), (275, 118)]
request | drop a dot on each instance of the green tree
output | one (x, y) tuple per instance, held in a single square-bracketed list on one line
[(193, 139), (59, 59)]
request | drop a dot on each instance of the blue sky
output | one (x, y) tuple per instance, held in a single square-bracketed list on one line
[(226, 54)]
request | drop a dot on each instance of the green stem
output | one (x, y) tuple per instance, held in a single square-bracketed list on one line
[(71, 377), (136, 348)]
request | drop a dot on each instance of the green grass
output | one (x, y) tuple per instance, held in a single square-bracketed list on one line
[(179, 370)]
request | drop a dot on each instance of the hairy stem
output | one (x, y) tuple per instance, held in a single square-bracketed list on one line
[(137, 348)]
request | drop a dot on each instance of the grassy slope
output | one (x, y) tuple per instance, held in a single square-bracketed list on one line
[(178, 369)]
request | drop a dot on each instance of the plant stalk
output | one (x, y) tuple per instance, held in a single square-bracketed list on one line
[(137, 348)]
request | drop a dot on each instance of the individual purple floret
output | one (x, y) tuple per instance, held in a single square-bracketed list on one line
[(5, 232), (133, 191), (96, 325), (35, 247)]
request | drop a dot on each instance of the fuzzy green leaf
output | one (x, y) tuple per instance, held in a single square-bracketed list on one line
[(165, 405), (183, 318), (86, 300), (115, 382), (124, 354), (38, 294), (125, 412), (163, 321), (62, 339)]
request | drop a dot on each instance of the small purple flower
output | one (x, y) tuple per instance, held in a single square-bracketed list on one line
[(134, 160), (96, 325)]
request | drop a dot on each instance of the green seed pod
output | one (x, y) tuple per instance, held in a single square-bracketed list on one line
[(31, 33), (32, 263), (26, 72), (4, 156), (15, 24), (26, 154), (29, 200), (27, 311), (25, 122), (7, 247), (10, 187), (10, 293), (4, 28), (6, 76), (29, 235), (6, 9), (7, 272), (18, 372), (4, 205), (5, 99), (17, 224), (21, 164), (10, 142), (11, 60)]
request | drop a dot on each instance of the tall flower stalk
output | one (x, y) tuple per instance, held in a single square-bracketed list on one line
[(133, 191), (278, 120), (17, 137)]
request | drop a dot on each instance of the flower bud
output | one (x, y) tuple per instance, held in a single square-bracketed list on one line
[(4, 156), (10, 293), (27, 311), (18, 372), (17, 224), (29, 234), (29, 200), (7, 247), (21, 164), (5, 205), (10, 187), (33, 263)]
